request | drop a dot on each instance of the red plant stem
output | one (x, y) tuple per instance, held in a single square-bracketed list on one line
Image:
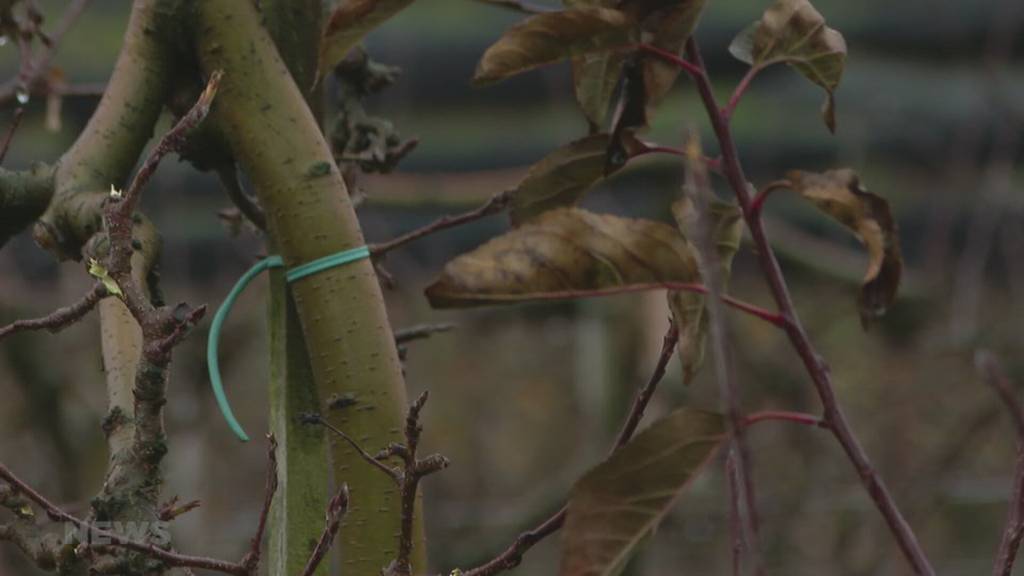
[(757, 204), (815, 364), (513, 555), (1013, 532), (738, 93), (757, 312), (61, 318), (774, 415), (492, 206), (683, 64)]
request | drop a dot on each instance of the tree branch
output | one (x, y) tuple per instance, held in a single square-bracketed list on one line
[(496, 204), (336, 510), (513, 555), (1013, 532), (815, 365), (61, 318)]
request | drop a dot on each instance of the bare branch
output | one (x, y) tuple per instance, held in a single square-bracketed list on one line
[(171, 559), (336, 510), (420, 332), (252, 558), (513, 555), (1013, 532), (496, 204), (814, 364), (372, 460), (61, 318)]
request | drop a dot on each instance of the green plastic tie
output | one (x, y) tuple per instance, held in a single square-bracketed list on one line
[(292, 275)]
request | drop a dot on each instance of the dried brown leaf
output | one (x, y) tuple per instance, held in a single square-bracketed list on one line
[(565, 250), (553, 36), (794, 32), (839, 194)]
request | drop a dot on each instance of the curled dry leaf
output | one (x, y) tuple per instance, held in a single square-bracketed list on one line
[(567, 250), (839, 194), (687, 307), (792, 31), (667, 24), (348, 24), (553, 36), (564, 176), (622, 500)]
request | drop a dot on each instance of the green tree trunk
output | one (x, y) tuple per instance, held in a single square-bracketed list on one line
[(276, 140)]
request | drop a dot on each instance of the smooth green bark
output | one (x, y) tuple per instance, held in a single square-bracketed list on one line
[(304, 466), (276, 140)]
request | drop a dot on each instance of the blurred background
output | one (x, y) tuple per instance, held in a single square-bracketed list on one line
[(526, 397)]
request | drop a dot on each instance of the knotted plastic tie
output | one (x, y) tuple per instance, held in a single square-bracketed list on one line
[(296, 273)]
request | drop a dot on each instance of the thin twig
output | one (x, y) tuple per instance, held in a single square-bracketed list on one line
[(495, 204), (61, 318), (742, 489), (740, 90), (336, 510), (9, 135), (415, 470), (761, 313), (815, 365), (406, 335), (1013, 532), (757, 204), (252, 558), (32, 70), (513, 555), (683, 64), (172, 559), (370, 458), (246, 204), (782, 416)]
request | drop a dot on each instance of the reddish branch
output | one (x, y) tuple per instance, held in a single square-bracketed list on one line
[(1014, 530), (815, 365), (496, 204), (766, 315), (61, 318), (252, 559), (782, 416), (513, 555), (415, 469), (336, 510)]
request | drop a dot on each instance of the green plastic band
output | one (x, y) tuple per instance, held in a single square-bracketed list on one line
[(217, 325)]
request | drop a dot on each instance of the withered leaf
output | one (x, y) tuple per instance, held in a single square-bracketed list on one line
[(667, 24), (623, 499), (350, 21), (792, 31), (839, 194), (688, 307), (564, 176), (566, 252), (553, 36)]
